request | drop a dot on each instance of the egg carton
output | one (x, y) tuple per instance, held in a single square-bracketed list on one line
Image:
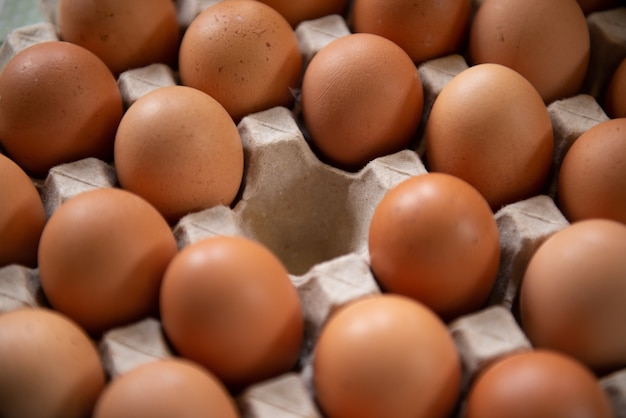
[(293, 203)]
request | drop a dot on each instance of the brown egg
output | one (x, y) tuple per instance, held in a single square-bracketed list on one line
[(386, 356), (434, 238), (299, 11), (178, 148), (22, 216), (538, 384), (362, 98), (490, 127), (545, 41), (615, 100), (60, 103), (572, 294), (165, 389), (592, 178), (50, 368), (228, 304), (102, 256), (124, 34), (424, 29), (244, 54)]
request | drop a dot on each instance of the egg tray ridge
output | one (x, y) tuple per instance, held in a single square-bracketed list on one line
[(285, 186)]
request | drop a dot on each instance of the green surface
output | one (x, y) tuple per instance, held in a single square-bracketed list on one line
[(17, 13)]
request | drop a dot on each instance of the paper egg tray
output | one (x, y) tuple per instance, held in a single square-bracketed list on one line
[(315, 218)]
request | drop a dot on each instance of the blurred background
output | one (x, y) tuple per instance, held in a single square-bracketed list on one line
[(17, 13)]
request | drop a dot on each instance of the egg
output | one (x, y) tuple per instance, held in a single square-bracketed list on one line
[(592, 178), (298, 11), (434, 238), (102, 256), (179, 149), (538, 384), (545, 41), (572, 294), (386, 356), (228, 304), (50, 367), (424, 29), (615, 100), (60, 103), (490, 127), (244, 54), (362, 98), (166, 388), (123, 34), (22, 216)]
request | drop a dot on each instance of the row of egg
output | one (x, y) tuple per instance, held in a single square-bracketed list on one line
[(352, 350)]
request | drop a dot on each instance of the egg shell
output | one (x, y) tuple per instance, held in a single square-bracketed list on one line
[(70, 112), (22, 216), (228, 304), (539, 384), (122, 34), (571, 298), (178, 148), (50, 367), (592, 178), (424, 29), (386, 356), (102, 256), (422, 224), (166, 388), (490, 127), (244, 54), (547, 42), (340, 100)]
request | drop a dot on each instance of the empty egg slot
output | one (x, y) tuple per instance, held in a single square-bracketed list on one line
[(287, 186)]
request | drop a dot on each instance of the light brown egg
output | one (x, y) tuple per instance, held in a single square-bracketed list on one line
[(424, 29), (490, 127), (615, 100), (102, 256), (178, 148), (244, 54), (545, 41), (362, 98), (433, 237), (22, 216), (123, 34), (572, 294), (228, 304), (386, 356), (165, 389), (50, 368), (298, 11), (60, 103), (592, 178), (538, 384)]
